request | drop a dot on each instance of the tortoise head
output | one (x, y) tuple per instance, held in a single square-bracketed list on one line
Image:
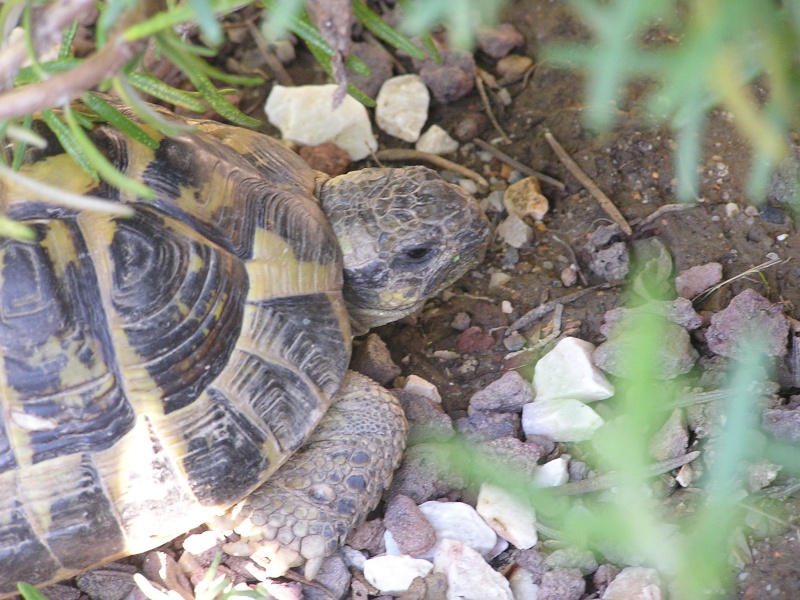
[(406, 234)]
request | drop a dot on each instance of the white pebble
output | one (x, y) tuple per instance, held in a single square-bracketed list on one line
[(417, 385), (506, 307), (305, 115), (552, 473), (511, 517), (731, 209), (567, 371), (560, 419), (497, 279), (469, 577), (394, 574), (402, 107), (468, 186), (436, 141), (522, 585), (782, 237), (634, 583), (458, 521), (515, 232)]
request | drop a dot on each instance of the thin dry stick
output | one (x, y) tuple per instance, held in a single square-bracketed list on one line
[(543, 309), (765, 265), (512, 162), (281, 75), (591, 186), (393, 154), (488, 107), (663, 210)]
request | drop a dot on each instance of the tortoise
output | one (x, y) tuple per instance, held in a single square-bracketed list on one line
[(158, 369)]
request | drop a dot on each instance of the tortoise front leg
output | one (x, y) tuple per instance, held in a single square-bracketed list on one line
[(307, 509)]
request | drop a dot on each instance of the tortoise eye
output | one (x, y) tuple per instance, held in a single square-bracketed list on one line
[(419, 254)]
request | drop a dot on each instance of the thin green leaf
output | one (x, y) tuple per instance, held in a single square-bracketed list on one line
[(163, 21), (215, 73), (207, 21), (22, 142), (325, 63), (111, 115), (15, 230), (29, 592), (195, 72), (106, 170), (388, 34), (195, 48), (68, 142), (144, 111), (65, 51), (431, 49), (146, 83)]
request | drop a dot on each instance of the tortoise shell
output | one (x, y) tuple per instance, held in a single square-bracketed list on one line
[(156, 369)]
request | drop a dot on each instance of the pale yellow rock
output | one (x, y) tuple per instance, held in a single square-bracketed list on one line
[(524, 199)]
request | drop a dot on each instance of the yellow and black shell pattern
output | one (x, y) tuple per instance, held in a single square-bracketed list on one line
[(155, 369)]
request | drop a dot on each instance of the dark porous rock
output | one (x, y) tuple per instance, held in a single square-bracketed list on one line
[(426, 419), (60, 591), (452, 78), (533, 561), (498, 41), (380, 65), (327, 158), (483, 426), (606, 253), (334, 576), (508, 394), (426, 474), (748, 316), (368, 536), (513, 454), (112, 582), (373, 359), (562, 584), (782, 424), (408, 526)]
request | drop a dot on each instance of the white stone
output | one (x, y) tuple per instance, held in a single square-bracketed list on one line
[(634, 583), (419, 386), (567, 371), (560, 419), (402, 107), (506, 307), (436, 141), (511, 517), (353, 558), (458, 521), (469, 577), (305, 115), (552, 473), (394, 574), (515, 232), (522, 585), (497, 279)]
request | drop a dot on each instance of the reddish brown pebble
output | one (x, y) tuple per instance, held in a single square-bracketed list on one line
[(327, 158), (474, 340)]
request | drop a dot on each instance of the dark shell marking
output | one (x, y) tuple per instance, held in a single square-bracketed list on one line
[(157, 369)]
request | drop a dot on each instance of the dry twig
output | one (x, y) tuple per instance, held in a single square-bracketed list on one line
[(543, 309), (393, 154), (512, 162), (667, 208), (765, 265), (598, 194), (487, 105)]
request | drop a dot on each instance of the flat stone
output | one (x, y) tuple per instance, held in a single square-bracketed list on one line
[(402, 107), (436, 141), (524, 198), (515, 232), (334, 576), (560, 419), (635, 583), (393, 575), (483, 426), (562, 584), (567, 371), (373, 359), (469, 577), (417, 385), (508, 394), (409, 528), (498, 41), (695, 280), (458, 521), (509, 516), (748, 315)]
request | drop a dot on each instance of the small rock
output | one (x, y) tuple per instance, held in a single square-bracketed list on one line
[(408, 526), (507, 394), (380, 64), (327, 158), (782, 424), (416, 591), (515, 232), (760, 474), (304, 114), (511, 517), (60, 591), (353, 558), (562, 584), (373, 359), (612, 263), (512, 68), (522, 585), (498, 41), (603, 576), (461, 321), (458, 521), (514, 341), (675, 354), (452, 78), (567, 371), (334, 576), (569, 277), (691, 282), (425, 473), (427, 422), (749, 316), (402, 107), (498, 279), (473, 339), (162, 569), (107, 583), (393, 574), (560, 419), (436, 141), (672, 439), (524, 199), (470, 126), (469, 577), (552, 473), (532, 561), (635, 583), (482, 426), (679, 311), (368, 536), (513, 454), (572, 558), (417, 385)]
